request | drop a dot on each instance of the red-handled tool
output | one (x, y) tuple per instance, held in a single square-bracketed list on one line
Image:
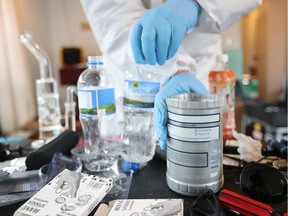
[(244, 205)]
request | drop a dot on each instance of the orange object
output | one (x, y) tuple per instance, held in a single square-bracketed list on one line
[(222, 81)]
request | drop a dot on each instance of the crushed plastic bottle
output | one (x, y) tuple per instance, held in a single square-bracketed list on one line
[(138, 144)]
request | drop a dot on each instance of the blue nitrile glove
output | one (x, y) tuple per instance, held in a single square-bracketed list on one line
[(178, 84), (159, 32)]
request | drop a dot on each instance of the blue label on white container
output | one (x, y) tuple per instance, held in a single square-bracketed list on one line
[(96, 101), (140, 94)]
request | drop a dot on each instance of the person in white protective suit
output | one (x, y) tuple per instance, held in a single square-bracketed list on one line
[(180, 37)]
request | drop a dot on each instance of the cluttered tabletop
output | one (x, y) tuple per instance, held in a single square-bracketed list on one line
[(149, 182)]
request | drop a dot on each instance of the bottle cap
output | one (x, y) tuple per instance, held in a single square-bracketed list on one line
[(222, 58), (127, 166), (95, 60)]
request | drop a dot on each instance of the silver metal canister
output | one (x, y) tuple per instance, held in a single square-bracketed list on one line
[(195, 143)]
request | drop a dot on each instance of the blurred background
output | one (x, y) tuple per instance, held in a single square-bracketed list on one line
[(256, 45)]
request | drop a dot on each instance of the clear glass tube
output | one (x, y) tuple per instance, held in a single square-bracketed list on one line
[(43, 60), (49, 115)]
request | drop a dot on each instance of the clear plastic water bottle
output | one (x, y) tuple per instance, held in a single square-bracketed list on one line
[(96, 96), (138, 142)]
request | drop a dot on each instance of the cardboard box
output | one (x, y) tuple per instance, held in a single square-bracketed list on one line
[(68, 194), (145, 207)]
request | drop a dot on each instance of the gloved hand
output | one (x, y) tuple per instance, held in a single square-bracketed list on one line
[(178, 84), (159, 32)]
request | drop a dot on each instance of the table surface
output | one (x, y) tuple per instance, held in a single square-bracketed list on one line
[(150, 183)]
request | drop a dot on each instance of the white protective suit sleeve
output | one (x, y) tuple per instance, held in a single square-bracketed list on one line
[(217, 15)]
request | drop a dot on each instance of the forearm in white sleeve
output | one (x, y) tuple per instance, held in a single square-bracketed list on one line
[(217, 15), (111, 22)]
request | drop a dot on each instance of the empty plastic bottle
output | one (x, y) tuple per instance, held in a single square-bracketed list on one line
[(96, 96)]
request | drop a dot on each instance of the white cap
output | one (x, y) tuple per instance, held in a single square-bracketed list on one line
[(222, 58), (95, 59)]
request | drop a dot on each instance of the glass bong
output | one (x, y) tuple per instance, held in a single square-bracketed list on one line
[(49, 115)]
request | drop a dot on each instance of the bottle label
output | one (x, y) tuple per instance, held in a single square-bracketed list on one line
[(140, 94), (194, 128), (194, 134), (95, 101), (205, 156)]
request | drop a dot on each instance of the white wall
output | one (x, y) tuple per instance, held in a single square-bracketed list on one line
[(34, 17), (57, 23), (265, 42)]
